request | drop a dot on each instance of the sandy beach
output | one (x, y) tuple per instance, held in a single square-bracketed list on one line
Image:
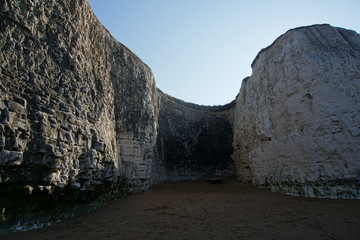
[(200, 210)]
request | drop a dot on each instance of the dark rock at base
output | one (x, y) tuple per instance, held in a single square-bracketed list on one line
[(214, 180)]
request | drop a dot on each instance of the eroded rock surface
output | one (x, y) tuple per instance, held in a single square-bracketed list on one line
[(81, 118), (79, 114), (297, 118), (71, 97), (193, 141), (72, 101)]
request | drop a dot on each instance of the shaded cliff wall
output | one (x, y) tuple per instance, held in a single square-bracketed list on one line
[(192, 140), (297, 118)]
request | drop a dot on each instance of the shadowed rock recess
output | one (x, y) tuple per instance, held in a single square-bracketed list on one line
[(81, 119)]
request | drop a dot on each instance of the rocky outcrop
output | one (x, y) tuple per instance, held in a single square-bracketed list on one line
[(73, 101), (297, 118), (81, 119), (72, 98)]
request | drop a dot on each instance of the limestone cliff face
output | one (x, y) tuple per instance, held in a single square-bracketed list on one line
[(74, 103), (80, 113), (297, 118)]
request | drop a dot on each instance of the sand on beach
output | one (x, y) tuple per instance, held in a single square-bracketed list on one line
[(201, 210)]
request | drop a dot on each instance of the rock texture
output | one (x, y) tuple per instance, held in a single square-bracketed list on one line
[(79, 114), (297, 118), (81, 118), (72, 102), (72, 97), (193, 141)]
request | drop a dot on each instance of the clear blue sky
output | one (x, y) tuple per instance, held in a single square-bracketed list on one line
[(200, 50)]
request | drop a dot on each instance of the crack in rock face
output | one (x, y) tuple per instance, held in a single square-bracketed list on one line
[(81, 119)]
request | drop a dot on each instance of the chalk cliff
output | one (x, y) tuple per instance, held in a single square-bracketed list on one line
[(82, 120), (72, 98), (297, 118), (192, 141)]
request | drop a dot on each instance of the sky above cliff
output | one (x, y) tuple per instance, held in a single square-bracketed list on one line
[(201, 50)]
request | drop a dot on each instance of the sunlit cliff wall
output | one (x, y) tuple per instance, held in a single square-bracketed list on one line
[(297, 118), (73, 99)]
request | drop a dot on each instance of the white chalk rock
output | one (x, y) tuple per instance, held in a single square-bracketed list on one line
[(297, 118)]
